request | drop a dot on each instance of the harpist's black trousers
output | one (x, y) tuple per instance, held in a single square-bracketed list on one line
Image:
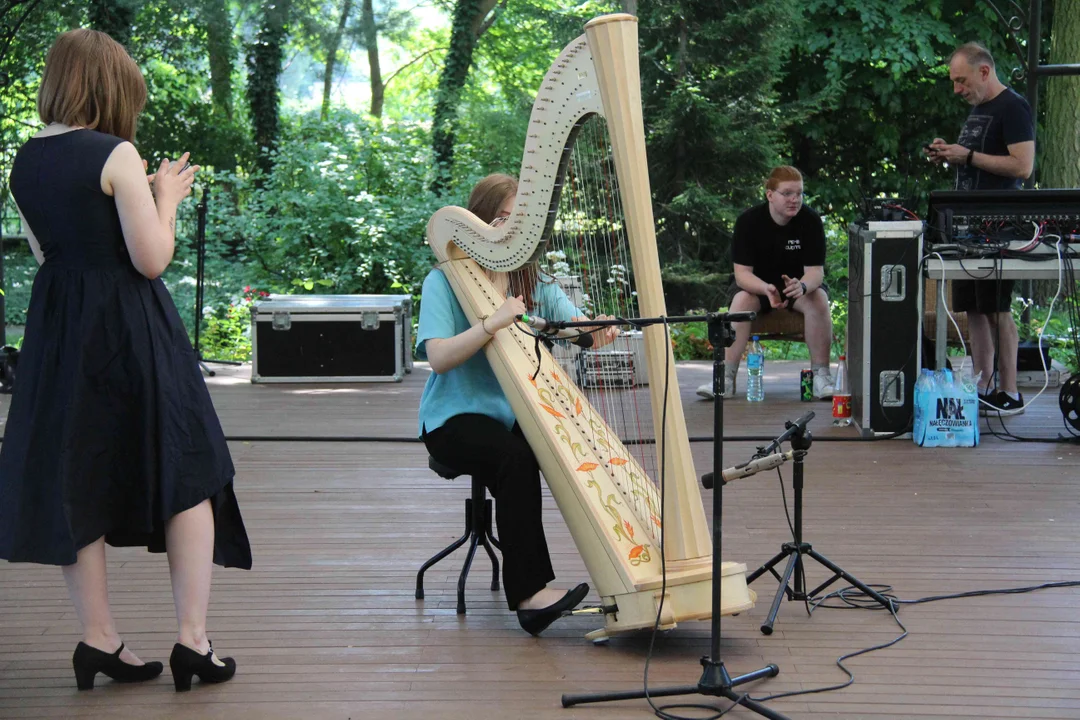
[(481, 446)]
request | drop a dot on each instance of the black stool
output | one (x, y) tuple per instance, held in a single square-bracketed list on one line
[(477, 531)]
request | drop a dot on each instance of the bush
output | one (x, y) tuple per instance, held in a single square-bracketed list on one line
[(227, 333), (687, 287), (690, 341), (344, 209)]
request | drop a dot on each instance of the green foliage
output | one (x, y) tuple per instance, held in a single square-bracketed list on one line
[(690, 341), (227, 330), (178, 120), (114, 18), (1056, 329), (846, 91), (712, 118), (688, 288), (836, 278), (343, 210), (20, 267), (881, 67)]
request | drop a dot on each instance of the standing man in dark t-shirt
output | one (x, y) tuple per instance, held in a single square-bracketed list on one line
[(779, 256), (996, 151)]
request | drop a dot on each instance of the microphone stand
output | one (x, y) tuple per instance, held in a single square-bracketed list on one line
[(801, 439), (200, 271), (715, 680)]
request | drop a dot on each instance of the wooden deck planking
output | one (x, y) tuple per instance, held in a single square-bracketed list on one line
[(326, 624)]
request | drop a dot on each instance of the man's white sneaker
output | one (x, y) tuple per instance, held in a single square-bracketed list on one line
[(823, 387), (705, 391)]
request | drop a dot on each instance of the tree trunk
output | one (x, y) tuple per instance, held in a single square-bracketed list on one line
[(1061, 140), (264, 64), (371, 40), (219, 52), (1059, 145), (331, 57), (629, 6), (468, 22), (114, 18)]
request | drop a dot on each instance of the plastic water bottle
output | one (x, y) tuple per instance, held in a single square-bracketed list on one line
[(922, 419), (755, 369), (841, 400)]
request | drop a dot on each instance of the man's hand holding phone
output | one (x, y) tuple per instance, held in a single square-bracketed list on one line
[(934, 151)]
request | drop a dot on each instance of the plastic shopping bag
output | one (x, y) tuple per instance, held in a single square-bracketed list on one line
[(946, 410)]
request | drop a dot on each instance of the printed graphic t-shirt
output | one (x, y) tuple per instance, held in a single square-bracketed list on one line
[(991, 128), (774, 250)]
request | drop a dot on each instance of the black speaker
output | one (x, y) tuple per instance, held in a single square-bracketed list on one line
[(884, 338)]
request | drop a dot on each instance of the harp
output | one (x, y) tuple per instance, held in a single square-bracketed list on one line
[(606, 485)]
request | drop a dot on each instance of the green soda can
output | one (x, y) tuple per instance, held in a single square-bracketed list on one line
[(806, 385)]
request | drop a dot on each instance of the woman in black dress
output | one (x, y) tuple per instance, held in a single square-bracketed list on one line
[(111, 435)]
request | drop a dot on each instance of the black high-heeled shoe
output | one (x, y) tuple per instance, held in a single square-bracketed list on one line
[(89, 661), (535, 622), (185, 662)]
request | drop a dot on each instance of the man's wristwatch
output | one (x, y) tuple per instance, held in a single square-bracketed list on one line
[(971, 156), (804, 290)]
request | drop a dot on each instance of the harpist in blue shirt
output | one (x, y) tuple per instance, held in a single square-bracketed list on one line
[(466, 421)]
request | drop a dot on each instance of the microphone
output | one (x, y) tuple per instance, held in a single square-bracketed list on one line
[(538, 324), (757, 465), (753, 467), (553, 329)]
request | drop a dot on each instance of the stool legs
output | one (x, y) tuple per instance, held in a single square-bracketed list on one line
[(436, 558), (478, 517), (488, 540)]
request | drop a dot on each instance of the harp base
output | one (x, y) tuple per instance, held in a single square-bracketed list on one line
[(682, 603)]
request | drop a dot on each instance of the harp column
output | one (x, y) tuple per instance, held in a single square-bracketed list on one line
[(613, 40)]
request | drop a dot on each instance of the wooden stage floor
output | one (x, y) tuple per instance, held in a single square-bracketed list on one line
[(326, 626)]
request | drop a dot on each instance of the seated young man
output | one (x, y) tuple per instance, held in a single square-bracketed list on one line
[(779, 257)]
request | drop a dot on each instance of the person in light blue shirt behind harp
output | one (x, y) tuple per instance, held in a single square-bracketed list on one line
[(466, 421)]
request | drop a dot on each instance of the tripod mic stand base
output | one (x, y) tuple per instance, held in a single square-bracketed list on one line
[(801, 439), (794, 553), (715, 682)]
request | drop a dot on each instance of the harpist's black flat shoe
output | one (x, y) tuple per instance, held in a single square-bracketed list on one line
[(535, 622)]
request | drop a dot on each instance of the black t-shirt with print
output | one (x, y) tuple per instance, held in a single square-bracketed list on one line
[(774, 250), (991, 128)]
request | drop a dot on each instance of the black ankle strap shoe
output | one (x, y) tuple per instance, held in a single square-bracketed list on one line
[(185, 662), (535, 622), (89, 661)]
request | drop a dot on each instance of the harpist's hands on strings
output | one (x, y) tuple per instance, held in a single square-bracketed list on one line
[(604, 335), (507, 314)]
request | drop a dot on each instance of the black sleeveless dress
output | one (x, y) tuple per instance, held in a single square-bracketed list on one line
[(111, 430)]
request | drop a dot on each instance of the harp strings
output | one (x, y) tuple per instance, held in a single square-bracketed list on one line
[(588, 256)]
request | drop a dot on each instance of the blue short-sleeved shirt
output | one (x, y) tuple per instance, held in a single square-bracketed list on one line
[(470, 387)]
